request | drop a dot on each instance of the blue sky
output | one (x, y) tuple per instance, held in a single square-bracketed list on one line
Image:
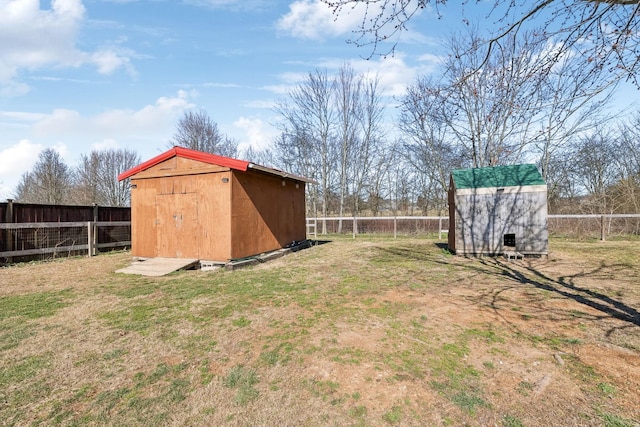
[(77, 75)]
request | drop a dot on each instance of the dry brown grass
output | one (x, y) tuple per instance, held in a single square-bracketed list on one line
[(352, 332)]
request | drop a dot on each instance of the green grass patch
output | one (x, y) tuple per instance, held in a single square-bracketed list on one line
[(281, 354), (23, 382), (241, 322), (348, 355), (456, 380), (243, 380), (613, 420), (313, 339), (488, 335), (393, 416), (14, 373), (140, 318), (13, 332), (511, 421), (34, 305), (322, 389)]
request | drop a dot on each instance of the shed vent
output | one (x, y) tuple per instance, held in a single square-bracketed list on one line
[(509, 240)]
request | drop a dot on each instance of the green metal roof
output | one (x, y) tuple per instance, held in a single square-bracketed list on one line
[(497, 176)]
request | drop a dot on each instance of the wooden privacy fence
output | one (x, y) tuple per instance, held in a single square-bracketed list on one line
[(33, 231)]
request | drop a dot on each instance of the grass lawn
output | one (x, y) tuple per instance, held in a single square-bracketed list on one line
[(366, 332)]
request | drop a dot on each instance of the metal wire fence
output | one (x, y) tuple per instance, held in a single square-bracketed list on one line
[(576, 226), (28, 241), (42, 240)]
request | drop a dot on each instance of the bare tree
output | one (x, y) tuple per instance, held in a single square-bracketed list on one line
[(48, 182), (607, 31), (573, 102), (96, 177), (293, 152), (626, 192), (331, 130), (347, 98), (86, 180), (491, 109), (378, 186), (594, 169), (308, 118), (117, 193), (426, 146), (196, 130), (370, 145), (265, 156), (486, 114)]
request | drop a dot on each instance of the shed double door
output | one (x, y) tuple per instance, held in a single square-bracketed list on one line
[(177, 225)]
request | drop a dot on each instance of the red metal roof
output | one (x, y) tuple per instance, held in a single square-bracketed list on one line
[(213, 159), (186, 153)]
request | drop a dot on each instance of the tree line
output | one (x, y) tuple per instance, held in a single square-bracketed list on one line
[(510, 105), (523, 99)]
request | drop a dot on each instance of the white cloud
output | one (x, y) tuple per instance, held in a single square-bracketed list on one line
[(289, 80), (258, 134), (116, 122), (235, 5), (71, 133), (109, 60), (34, 38), (105, 144), (13, 89), (394, 72), (314, 20), (14, 161)]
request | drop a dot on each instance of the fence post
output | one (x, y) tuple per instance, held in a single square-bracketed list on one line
[(96, 238), (9, 220), (440, 228), (354, 227), (90, 238), (395, 227), (602, 232)]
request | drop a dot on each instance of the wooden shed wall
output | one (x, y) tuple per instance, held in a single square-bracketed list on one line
[(265, 214), (483, 218), (181, 209)]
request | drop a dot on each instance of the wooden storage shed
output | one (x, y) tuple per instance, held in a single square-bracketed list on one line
[(499, 209), (190, 204)]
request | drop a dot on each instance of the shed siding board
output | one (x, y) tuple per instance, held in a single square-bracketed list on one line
[(205, 207), (215, 216), (177, 225), (291, 218), (177, 166), (143, 218), (262, 217)]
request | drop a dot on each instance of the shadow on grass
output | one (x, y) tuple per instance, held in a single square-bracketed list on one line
[(444, 246), (565, 286)]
